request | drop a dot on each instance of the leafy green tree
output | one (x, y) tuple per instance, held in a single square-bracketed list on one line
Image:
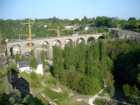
[(132, 94), (89, 86), (103, 21), (73, 79)]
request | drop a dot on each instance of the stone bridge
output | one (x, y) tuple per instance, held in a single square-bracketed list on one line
[(21, 47), (124, 34)]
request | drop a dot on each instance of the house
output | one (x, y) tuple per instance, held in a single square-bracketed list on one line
[(24, 66), (86, 28), (71, 27), (16, 50), (39, 69)]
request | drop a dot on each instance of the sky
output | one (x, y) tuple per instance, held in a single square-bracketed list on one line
[(20, 9)]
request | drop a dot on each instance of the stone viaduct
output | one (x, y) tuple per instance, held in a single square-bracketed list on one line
[(22, 45), (124, 34)]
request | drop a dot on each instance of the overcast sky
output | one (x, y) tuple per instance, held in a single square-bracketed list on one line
[(19, 9)]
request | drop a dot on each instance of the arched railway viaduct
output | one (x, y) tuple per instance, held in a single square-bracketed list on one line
[(20, 47)]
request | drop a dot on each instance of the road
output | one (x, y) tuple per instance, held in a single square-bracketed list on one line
[(93, 99)]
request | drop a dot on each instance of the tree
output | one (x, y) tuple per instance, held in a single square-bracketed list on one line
[(89, 86), (69, 57), (76, 21), (132, 94), (73, 79), (92, 61), (103, 21), (132, 23), (84, 20), (32, 60), (81, 57), (58, 66), (43, 57)]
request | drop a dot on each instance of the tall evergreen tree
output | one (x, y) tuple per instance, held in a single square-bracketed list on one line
[(57, 61)]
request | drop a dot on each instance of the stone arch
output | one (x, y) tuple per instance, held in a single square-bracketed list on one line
[(101, 37), (80, 40), (68, 42), (57, 43), (46, 44), (15, 49), (90, 40), (27, 44)]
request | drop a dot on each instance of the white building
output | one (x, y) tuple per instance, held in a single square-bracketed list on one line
[(86, 28), (23, 66), (71, 27), (16, 50), (39, 69)]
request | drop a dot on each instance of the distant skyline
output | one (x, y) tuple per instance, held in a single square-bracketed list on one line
[(21, 9)]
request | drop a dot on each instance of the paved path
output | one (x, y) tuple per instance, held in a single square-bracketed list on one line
[(114, 100), (92, 99)]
